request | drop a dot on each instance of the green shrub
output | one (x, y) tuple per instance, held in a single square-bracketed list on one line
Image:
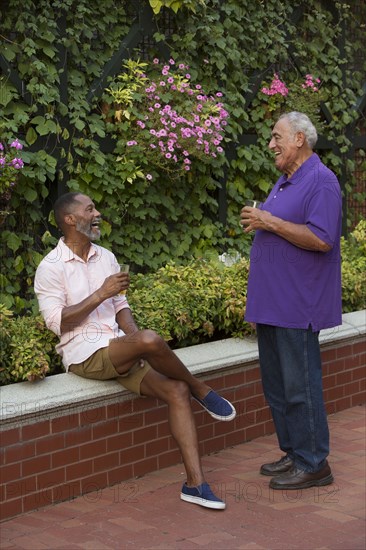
[(194, 303), (353, 252), (27, 350), (186, 304)]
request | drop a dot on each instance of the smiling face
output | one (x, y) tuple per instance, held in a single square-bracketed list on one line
[(86, 218), (287, 147)]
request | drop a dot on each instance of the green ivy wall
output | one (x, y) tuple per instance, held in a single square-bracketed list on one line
[(56, 60)]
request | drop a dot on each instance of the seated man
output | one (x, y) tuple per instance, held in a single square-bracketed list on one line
[(79, 290)]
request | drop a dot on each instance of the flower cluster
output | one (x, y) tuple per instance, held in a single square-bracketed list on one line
[(276, 87), (171, 121), (304, 96), (10, 165)]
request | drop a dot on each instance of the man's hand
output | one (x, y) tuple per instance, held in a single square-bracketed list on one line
[(254, 218), (297, 234), (113, 285)]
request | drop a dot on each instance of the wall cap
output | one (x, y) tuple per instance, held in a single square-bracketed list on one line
[(24, 402)]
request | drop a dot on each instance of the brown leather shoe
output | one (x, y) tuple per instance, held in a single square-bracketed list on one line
[(299, 479), (275, 468)]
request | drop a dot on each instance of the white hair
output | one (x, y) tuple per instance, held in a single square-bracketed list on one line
[(299, 122)]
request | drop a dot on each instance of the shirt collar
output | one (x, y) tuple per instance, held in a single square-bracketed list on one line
[(300, 172), (67, 254)]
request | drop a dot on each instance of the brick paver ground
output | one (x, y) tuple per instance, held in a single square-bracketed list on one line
[(146, 513)]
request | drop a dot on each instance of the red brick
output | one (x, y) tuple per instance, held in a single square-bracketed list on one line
[(252, 375), (243, 392), (359, 373), (11, 508), (10, 437), (337, 392), (145, 404), (50, 444), (78, 436), (22, 451), (337, 366), (169, 459), (51, 478), (133, 454), (131, 422), (262, 415), (342, 404), (65, 423), (235, 438), (119, 409), (119, 441), (144, 434), (35, 465), (164, 429), (120, 474), (359, 347), (358, 399), (94, 483), (106, 462), (156, 447), (79, 470), (352, 388), (92, 416), (37, 500), (343, 378), (21, 488), (253, 432), (344, 351), (104, 429), (65, 457), (213, 445), (93, 449), (206, 432), (66, 491), (234, 380), (331, 381), (145, 466), (10, 472), (41, 429), (156, 416), (328, 355)]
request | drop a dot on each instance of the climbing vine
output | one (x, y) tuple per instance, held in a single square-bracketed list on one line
[(53, 98)]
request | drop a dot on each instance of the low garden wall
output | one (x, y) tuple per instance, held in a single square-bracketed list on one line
[(66, 436)]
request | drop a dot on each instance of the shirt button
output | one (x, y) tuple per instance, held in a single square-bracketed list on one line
[(281, 188), (275, 197)]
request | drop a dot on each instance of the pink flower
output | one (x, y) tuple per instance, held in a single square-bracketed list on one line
[(156, 61), (149, 177)]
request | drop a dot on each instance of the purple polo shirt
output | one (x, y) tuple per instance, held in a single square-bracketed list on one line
[(288, 286)]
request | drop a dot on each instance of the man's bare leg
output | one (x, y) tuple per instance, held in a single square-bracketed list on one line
[(146, 344), (177, 396)]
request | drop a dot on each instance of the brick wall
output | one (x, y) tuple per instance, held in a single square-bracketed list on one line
[(60, 458)]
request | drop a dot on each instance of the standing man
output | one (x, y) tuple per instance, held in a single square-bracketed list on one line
[(294, 291), (79, 290)]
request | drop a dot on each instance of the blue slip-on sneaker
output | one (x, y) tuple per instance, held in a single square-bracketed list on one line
[(203, 496), (218, 407)]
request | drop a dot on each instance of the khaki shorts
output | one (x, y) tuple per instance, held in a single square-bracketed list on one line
[(100, 367)]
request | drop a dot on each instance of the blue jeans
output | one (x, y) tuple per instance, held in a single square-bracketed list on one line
[(292, 383)]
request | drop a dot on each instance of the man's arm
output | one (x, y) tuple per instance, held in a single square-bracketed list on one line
[(297, 234), (126, 322), (72, 316)]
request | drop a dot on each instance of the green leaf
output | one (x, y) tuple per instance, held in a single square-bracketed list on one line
[(30, 194), (31, 136), (13, 242)]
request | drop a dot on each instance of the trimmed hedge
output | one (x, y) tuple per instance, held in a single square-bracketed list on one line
[(187, 304)]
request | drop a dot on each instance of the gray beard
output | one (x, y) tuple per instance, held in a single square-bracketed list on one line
[(85, 229)]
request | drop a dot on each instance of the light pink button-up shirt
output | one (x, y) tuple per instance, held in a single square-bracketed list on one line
[(63, 279)]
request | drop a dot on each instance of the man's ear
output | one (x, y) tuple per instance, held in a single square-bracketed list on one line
[(70, 219), (300, 139)]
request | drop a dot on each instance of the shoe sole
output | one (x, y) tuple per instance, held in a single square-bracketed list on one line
[(203, 502), (216, 416), (306, 485)]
